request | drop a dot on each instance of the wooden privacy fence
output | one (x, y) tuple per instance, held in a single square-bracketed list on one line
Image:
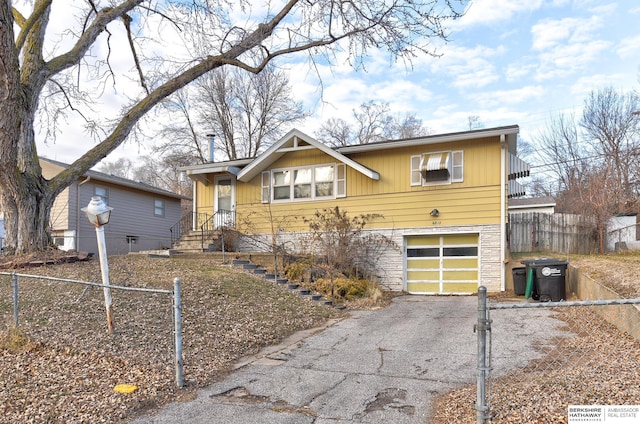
[(561, 233)]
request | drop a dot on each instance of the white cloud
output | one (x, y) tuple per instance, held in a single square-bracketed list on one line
[(550, 33), (566, 60), (629, 48), (584, 85), (468, 67), (488, 12), (509, 98)]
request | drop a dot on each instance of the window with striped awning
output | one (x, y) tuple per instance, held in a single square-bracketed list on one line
[(435, 167), (435, 162)]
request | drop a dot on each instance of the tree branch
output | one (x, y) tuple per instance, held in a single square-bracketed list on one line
[(89, 36)]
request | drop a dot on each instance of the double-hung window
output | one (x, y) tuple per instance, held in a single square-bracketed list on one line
[(158, 207), (312, 182), (437, 168)]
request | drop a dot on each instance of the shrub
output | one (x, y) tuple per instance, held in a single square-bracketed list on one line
[(344, 288), (343, 246)]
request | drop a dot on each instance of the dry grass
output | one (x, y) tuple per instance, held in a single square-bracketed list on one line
[(62, 366)]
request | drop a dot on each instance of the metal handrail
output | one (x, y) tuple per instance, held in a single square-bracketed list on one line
[(187, 223), (221, 219)]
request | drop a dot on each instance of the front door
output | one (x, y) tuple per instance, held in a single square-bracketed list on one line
[(224, 201)]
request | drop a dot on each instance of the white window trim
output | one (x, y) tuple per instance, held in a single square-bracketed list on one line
[(161, 208), (416, 174), (339, 184), (456, 162)]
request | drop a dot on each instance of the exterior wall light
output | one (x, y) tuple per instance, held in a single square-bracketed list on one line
[(434, 212)]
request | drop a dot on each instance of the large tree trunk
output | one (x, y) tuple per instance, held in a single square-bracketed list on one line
[(27, 209), (26, 198)]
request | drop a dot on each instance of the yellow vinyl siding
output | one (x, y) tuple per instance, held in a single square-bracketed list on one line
[(204, 197), (475, 201)]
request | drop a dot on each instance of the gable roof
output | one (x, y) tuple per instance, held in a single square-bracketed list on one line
[(296, 140), (113, 179)]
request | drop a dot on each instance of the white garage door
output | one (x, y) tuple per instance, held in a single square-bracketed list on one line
[(442, 264)]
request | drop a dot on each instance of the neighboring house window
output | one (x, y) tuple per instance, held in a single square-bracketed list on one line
[(158, 207), (304, 183), (102, 192), (437, 168)]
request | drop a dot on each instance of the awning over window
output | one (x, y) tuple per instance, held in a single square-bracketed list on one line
[(435, 162), (517, 167), (515, 189)]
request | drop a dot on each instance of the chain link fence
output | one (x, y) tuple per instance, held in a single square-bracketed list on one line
[(586, 353), (66, 312)]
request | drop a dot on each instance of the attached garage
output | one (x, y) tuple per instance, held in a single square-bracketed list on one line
[(442, 264)]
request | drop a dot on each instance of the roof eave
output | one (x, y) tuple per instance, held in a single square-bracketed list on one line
[(510, 131)]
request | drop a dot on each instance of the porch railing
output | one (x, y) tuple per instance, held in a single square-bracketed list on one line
[(187, 223), (220, 220)]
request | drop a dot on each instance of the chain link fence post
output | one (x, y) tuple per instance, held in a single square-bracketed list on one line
[(481, 328), (14, 284), (177, 310)]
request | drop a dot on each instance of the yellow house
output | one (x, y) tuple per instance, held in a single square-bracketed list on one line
[(443, 199)]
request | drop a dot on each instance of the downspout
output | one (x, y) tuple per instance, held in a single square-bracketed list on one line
[(77, 240), (503, 209), (194, 205)]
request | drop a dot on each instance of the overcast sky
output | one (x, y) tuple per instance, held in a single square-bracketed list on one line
[(507, 62)]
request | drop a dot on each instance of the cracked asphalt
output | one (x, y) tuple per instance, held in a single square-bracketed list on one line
[(383, 366)]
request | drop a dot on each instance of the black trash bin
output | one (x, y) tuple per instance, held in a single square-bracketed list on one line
[(519, 281), (549, 282)]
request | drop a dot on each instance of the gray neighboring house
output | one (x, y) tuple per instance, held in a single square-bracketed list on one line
[(141, 218)]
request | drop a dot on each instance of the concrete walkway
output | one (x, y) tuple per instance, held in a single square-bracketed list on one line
[(383, 366)]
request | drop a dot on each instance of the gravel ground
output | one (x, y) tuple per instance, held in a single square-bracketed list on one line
[(64, 366)]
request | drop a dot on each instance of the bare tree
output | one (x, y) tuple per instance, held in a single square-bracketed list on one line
[(266, 109), (182, 131), (123, 167), (244, 112), (611, 126), (211, 37), (474, 122), (565, 157), (372, 122), (163, 172)]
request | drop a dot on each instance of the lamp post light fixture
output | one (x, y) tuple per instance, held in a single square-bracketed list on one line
[(98, 214)]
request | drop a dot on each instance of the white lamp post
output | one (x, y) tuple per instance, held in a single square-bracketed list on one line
[(98, 214)]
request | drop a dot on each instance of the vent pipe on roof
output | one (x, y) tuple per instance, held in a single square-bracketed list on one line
[(212, 139)]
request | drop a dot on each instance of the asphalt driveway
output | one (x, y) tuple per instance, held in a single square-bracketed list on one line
[(383, 366)]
